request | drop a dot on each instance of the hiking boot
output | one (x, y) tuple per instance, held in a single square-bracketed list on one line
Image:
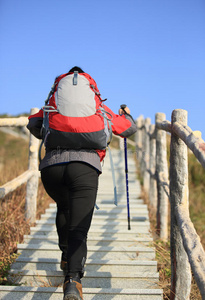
[(72, 289)]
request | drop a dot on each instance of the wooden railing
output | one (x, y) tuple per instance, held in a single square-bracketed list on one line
[(187, 252), (31, 176)]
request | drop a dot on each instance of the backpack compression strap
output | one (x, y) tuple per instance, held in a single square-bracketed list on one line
[(108, 131), (75, 78)]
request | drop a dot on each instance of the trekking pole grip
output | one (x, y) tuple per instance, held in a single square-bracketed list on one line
[(123, 106)]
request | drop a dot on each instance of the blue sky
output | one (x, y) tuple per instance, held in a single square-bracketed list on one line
[(148, 54)]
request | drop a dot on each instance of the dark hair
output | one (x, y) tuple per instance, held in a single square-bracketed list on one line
[(76, 69)]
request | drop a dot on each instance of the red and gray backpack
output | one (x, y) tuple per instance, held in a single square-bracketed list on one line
[(73, 115)]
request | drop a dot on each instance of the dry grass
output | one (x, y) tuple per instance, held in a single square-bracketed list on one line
[(163, 256), (13, 226)]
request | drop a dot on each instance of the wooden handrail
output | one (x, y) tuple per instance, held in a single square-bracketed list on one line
[(31, 176), (20, 121), (15, 183), (193, 142)]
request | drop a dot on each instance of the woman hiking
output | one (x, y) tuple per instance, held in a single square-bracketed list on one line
[(72, 165)]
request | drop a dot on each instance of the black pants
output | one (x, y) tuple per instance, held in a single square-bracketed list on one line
[(73, 186)]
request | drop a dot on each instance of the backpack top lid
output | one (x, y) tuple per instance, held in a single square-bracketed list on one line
[(74, 96)]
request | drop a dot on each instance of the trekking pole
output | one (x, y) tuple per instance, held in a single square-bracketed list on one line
[(123, 106)]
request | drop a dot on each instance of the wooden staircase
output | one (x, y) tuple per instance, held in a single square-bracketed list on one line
[(121, 263)]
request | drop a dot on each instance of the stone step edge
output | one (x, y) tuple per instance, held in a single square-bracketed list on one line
[(110, 205), (103, 225), (120, 201), (108, 215), (98, 238), (98, 216), (114, 230), (102, 291), (96, 231), (98, 243), (111, 215), (110, 212), (106, 228), (100, 222), (89, 261), (112, 208), (116, 234), (88, 274), (91, 248)]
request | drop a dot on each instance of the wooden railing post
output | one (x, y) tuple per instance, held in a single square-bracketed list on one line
[(142, 149), (181, 273), (162, 176), (146, 149), (152, 167), (138, 137), (32, 184)]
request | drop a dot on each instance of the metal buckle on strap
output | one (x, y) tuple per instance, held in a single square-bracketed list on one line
[(49, 108), (94, 90), (75, 78)]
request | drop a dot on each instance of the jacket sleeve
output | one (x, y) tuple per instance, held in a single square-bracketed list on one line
[(123, 125), (35, 124)]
